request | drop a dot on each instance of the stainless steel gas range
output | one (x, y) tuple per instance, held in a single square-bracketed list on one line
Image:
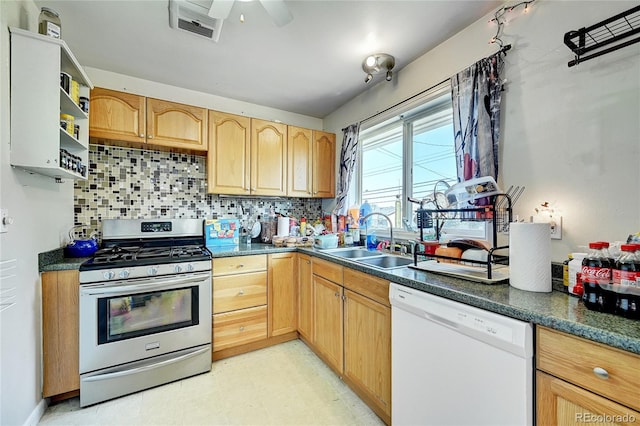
[(145, 307)]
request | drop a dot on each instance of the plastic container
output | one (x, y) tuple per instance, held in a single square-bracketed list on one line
[(49, 23), (326, 241)]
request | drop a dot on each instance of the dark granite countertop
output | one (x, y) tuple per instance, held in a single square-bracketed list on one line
[(556, 310)]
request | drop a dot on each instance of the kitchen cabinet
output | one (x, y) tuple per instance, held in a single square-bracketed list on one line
[(229, 155), (367, 340), (38, 143), (268, 158), (282, 293), (247, 156), (129, 118), (60, 333), (311, 163), (305, 298), (579, 381), (327, 312), (239, 300)]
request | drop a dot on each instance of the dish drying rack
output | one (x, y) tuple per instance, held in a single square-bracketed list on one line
[(610, 32), (499, 212)]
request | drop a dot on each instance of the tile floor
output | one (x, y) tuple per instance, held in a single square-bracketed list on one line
[(285, 384)]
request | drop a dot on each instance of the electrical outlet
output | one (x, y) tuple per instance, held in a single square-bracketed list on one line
[(556, 228)]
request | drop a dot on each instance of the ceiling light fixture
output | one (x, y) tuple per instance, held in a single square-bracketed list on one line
[(376, 63)]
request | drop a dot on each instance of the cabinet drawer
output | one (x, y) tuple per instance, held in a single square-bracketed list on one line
[(233, 292), (239, 264), (328, 270), (237, 328), (574, 360), (367, 285)]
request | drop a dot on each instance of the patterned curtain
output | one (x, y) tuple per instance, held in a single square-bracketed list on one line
[(348, 160), (476, 94)]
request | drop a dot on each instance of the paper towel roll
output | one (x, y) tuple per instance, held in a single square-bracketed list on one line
[(530, 256), (283, 226)]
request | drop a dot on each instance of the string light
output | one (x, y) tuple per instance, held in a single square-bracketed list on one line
[(501, 21)]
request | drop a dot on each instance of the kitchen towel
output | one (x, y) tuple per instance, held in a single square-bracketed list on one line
[(283, 226), (530, 256)]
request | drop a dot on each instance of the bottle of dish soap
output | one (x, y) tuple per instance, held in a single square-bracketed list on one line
[(365, 209)]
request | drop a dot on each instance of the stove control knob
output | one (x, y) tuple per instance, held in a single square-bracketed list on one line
[(189, 267), (109, 275), (124, 273), (153, 270), (178, 269)]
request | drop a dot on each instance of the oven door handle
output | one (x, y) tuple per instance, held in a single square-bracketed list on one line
[(149, 286), (136, 370)]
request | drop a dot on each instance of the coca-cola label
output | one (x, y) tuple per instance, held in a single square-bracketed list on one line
[(625, 277), (596, 275)]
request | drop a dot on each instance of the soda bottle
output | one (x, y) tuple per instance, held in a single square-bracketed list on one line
[(625, 275), (596, 270)]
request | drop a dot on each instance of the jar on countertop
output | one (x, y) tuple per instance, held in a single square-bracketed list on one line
[(49, 23)]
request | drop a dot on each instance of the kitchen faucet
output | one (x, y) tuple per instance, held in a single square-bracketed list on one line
[(390, 226)]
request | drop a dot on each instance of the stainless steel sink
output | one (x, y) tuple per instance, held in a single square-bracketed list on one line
[(386, 261), (353, 253)]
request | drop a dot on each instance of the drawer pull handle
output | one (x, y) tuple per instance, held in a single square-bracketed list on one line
[(241, 293), (601, 372)]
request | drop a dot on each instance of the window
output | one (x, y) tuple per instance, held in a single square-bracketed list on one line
[(406, 156)]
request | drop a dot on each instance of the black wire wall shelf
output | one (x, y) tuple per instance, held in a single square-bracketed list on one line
[(611, 32)]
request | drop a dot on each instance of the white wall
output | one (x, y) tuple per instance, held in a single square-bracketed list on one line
[(43, 214), (570, 135), (114, 81)]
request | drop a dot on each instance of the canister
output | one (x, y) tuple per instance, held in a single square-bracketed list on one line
[(75, 92), (84, 104), (49, 23), (65, 82), (67, 123)]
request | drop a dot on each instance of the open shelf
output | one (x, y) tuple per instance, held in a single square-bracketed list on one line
[(613, 32)]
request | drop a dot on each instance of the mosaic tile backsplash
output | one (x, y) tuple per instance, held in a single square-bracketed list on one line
[(131, 183)]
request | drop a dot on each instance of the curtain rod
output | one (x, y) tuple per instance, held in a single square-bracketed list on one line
[(503, 49)]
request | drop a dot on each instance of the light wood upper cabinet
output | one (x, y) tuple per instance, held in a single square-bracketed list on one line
[(117, 116), (229, 155), (283, 293), (268, 158), (176, 125), (324, 169), (60, 332), (125, 117), (299, 158), (311, 162)]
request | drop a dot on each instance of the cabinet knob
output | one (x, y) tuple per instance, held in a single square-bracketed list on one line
[(142, 135), (601, 372), (241, 265), (337, 294), (241, 293), (150, 137), (242, 328)]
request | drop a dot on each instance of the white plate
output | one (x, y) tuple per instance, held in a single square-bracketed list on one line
[(255, 230)]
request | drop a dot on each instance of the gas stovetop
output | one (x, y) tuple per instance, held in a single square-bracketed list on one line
[(117, 256)]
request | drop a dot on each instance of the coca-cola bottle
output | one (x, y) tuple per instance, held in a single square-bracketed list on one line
[(596, 271), (625, 275)]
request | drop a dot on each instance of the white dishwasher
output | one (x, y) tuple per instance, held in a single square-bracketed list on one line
[(453, 364)]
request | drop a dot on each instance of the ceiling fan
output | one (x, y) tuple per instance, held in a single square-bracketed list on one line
[(277, 9)]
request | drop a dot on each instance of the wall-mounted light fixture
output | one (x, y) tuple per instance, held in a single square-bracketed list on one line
[(376, 63)]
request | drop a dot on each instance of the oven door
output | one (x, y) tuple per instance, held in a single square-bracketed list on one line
[(130, 320)]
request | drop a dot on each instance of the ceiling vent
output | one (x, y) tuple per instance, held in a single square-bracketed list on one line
[(192, 16)]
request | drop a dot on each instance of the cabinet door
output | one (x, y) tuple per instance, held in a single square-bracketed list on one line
[(282, 293), (268, 158), (176, 125), (229, 155), (324, 167), (367, 348), (60, 332), (561, 403), (305, 298), (299, 164), (327, 303), (116, 116)]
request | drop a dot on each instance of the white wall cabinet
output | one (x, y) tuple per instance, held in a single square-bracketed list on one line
[(37, 100)]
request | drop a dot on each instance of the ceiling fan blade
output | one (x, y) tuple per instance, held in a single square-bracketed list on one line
[(220, 9), (278, 11)]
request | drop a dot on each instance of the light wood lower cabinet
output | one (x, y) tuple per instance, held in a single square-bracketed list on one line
[(327, 331), (282, 293), (305, 298), (579, 381), (231, 329), (60, 333)]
